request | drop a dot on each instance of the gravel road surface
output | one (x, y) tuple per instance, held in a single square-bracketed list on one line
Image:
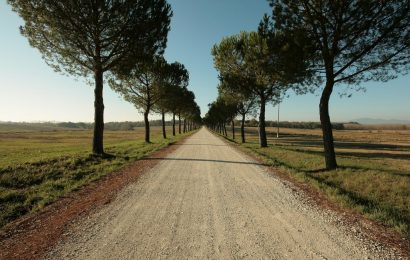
[(206, 200)]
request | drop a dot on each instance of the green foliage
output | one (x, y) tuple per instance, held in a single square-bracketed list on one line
[(242, 61), (261, 66), (189, 109), (159, 86), (141, 85), (76, 36), (259, 63), (244, 101), (174, 82), (353, 41), (221, 112)]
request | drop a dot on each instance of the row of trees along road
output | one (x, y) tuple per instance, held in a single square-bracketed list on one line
[(256, 68), (308, 45), (157, 86), (96, 39)]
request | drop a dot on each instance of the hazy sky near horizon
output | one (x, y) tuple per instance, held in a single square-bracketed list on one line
[(32, 91)]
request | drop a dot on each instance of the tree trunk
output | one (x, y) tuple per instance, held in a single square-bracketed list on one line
[(233, 129), (329, 149), (98, 145), (179, 123), (184, 126), (262, 131), (164, 133), (225, 132), (146, 121), (173, 124), (243, 128)]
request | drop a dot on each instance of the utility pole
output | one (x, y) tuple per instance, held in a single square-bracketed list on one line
[(277, 131)]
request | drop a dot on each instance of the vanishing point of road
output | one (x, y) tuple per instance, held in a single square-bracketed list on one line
[(207, 200)]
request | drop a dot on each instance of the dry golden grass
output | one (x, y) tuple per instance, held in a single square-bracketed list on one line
[(38, 167), (376, 127), (22, 147), (373, 175)]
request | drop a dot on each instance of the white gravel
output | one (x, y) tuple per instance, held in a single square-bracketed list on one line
[(206, 200)]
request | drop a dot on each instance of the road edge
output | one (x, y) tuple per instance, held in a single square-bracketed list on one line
[(31, 236), (371, 229)]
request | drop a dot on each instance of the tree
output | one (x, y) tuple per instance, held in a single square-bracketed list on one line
[(85, 38), (192, 115), (352, 41), (174, 106), (175, 100), (245, 103), (259, 63), (142, 86), (231, 111), (214, 119), (175, 78), (186, 107), (221, 112), (231, 106), (161, 106)]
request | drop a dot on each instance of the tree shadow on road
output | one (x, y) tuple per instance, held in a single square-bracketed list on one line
[(207, 160), (202, 144)]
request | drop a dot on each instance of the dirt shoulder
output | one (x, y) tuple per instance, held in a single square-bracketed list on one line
[(361, 226), (30, 236), (206, 200)]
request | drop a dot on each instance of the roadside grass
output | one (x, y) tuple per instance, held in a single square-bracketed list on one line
[(37, 168), (373, 175)]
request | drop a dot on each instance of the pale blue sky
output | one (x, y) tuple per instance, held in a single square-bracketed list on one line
[(31, 91)]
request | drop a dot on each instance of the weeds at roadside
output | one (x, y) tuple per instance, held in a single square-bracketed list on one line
[(376, 187), (28, 186)]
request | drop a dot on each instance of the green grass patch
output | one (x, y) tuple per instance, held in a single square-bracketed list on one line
[(36, 168), (372, 182)]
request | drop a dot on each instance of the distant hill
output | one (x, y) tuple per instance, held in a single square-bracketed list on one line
[(377, 121)]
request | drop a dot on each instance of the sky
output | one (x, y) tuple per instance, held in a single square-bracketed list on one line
[(31, 91)]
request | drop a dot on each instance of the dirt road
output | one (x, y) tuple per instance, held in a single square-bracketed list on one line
[(208, 201)]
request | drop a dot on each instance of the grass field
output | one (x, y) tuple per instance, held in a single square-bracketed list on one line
[(377, 127), (374, 172), (37, 167)]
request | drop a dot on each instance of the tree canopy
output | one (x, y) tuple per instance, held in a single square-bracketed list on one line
[(173, 83), (92, 37), (244, 102), (76, 36), (257, 65), (351, 42)]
